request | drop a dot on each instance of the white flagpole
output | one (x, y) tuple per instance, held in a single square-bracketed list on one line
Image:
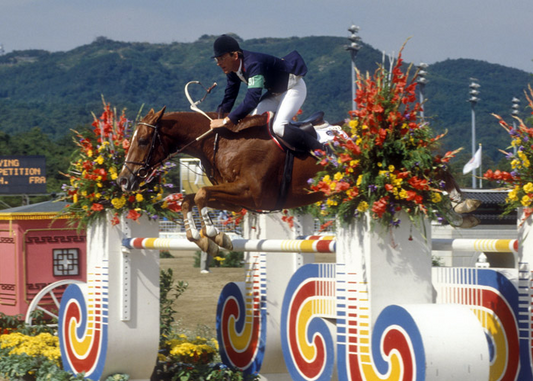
[(480, 166)]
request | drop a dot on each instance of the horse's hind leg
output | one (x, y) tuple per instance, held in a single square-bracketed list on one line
[(192, 234)]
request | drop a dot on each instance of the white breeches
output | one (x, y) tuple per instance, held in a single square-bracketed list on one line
[(285, 106)]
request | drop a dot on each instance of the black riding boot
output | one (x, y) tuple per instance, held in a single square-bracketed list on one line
[(301, 140)]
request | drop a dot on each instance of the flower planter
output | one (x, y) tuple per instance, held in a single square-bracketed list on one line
[(393, 264)]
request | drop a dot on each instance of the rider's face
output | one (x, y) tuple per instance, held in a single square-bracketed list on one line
[(228, 62)]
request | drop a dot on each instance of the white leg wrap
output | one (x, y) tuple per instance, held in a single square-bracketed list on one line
[(190, 226), (210, 229)]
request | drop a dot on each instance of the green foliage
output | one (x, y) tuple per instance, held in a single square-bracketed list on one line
[(10, 323), (223, 259), (165, 254), (168, 293), (233, 259)]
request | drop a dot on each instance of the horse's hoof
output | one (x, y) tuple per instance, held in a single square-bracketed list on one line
[(224, 241), (205, 244), (469, 222), (467, 206)]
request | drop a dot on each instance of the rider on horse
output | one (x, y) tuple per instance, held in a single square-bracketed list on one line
[(283, 80)]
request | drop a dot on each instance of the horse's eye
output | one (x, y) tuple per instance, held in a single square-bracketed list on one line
[(142, 141)]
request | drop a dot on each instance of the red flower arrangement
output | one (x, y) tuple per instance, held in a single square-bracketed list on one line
[(92, 189), (384, 163)]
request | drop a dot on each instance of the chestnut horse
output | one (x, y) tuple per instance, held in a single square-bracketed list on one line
[(246, 168)]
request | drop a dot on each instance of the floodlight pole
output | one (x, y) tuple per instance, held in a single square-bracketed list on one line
[(422, 81), (354, 49), (474, 86)]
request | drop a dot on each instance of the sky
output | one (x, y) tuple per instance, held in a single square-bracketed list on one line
[(495, 31)]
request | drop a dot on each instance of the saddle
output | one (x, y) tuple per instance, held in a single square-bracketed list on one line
[(306, 125)]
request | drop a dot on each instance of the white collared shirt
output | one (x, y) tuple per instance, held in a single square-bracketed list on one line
[(239, 73)]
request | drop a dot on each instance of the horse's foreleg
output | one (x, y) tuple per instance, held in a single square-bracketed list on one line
[(192, 234), (225, 196)]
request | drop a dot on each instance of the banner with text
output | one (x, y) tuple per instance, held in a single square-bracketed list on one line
[(22, 174)]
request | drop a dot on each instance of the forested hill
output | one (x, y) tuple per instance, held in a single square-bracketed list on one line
[(57, 91)]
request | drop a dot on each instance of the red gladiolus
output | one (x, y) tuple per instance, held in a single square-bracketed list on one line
[(97, 207), (389, 187), (344, 157), (341, 186), (133, 215), (417, 183), (411, 195), (380, 206), (115, 220)]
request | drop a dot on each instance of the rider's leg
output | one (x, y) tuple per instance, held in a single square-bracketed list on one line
[(291, 101)]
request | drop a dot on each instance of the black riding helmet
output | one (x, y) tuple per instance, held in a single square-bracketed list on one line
[(225, 44)]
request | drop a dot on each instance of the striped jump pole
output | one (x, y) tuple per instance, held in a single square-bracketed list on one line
[(321, 245), (252, 245), (481, 245)]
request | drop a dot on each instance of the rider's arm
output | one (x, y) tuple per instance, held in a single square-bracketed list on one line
[(250, 102), (230, 94)]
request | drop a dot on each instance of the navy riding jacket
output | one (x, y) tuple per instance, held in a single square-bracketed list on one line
[(261, 71)]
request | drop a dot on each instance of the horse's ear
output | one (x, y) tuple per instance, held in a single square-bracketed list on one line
[(160, 114), (150, 113)]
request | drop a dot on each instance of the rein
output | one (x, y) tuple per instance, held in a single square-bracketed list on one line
[(147, 170)]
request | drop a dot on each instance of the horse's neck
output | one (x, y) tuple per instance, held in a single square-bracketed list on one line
[(185, 128)]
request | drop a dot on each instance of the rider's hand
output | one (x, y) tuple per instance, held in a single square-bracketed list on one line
[(217, 123)]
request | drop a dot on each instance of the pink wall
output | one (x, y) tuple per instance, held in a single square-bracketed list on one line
[(28, 243)]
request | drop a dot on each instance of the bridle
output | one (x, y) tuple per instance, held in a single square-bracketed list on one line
[(146, 170)]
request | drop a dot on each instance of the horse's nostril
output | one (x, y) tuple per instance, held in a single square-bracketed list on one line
[(122, 182)]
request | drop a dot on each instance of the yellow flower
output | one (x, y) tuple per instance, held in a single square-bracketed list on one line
[(391, 168), (525, 201), (90, 153), (331, 202), (359, 180), (338, 176), (528, 188), (118, 202), (436, 197), (139, 197), (75, 198), (100, 160), (512, 195), (362, 207)]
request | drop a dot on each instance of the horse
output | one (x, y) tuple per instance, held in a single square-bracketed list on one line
[(246, 169)]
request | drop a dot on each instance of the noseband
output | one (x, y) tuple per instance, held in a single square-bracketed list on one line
[(146, 170)]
